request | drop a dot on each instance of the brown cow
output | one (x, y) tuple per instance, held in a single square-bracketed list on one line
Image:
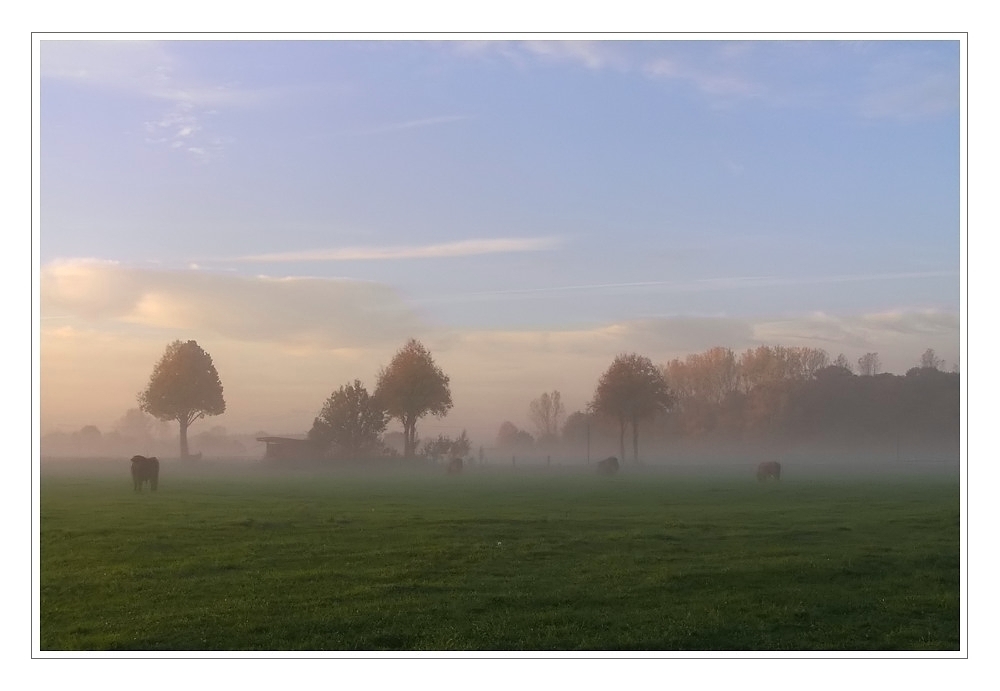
[(609, 466), (769, 470), (455, 466), (145, 470)]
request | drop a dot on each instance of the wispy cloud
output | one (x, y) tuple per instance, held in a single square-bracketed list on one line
[(924, 95), (412, 124), (150, 70), (594, 55), (461, 248), (180, 129), (919, 81), (713, 71), (699, 285), (251, 309), (143, 68), (899, 336), (707, 81)]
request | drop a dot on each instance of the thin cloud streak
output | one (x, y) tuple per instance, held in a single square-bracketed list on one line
[(147, 69), (594, 55), (414, 124), (150, 70), (727, 283), (461, 248), (732, 71)]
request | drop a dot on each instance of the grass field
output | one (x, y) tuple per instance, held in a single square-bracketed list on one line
[(498, 562)]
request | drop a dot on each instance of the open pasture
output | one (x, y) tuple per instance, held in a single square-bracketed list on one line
[(548, 561)]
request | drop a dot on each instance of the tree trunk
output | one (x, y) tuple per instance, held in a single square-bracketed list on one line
[(635, 441), (409, 434), (184, 437), (621, 438)]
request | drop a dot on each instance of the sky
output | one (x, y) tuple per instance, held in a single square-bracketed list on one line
[(527, 209)]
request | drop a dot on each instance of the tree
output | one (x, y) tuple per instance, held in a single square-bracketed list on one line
[(703, 385), (410, 387), (446, 447), (351, 421), (763, 364), (931, 360), (89, 439), (575, 429), (813, 360), (869, 364), (769, 364), (843, 362), (544, 413), (135, 424), (184, 387), (632, 388), (510, 438)]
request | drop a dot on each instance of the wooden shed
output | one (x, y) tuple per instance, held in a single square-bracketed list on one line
[(290, 449)]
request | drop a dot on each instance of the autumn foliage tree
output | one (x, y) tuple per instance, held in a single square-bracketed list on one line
[(783, 394), (184, 386), (411, 387), (631, 389), (708, 376), (351, 422), (770, 364)]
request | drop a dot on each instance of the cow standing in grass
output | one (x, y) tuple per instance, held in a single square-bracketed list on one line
[(769, 470), (455, 466), (609, 466), (145, 470)]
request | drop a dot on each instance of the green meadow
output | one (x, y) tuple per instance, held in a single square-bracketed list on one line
[(501, 561)]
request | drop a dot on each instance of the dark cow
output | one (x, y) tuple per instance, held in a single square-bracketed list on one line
[(145, 470), (455, 466), (609, 466), (769, 470)]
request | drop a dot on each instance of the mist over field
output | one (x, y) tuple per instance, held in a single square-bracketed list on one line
[(731, 462), (715, 412)]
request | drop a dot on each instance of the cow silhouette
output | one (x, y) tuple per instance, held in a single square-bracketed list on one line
[(455, 466), (609, 466), (769, 470), (145, 470)]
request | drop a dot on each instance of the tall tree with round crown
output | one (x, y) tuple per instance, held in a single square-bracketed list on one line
[(185, 387), (410, 387)]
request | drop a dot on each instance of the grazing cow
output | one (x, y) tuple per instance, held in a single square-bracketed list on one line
[(609, 466), (455, 466), (145, 470), (769, 470)]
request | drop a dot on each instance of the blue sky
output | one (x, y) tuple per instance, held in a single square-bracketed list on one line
[(527, 209)]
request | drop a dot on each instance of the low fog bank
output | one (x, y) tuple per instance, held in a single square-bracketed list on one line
[(90, 442), (718, 461), (726, 461)]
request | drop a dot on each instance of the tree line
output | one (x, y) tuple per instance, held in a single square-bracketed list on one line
[(765, 394), (769, 392), (797, 394)]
